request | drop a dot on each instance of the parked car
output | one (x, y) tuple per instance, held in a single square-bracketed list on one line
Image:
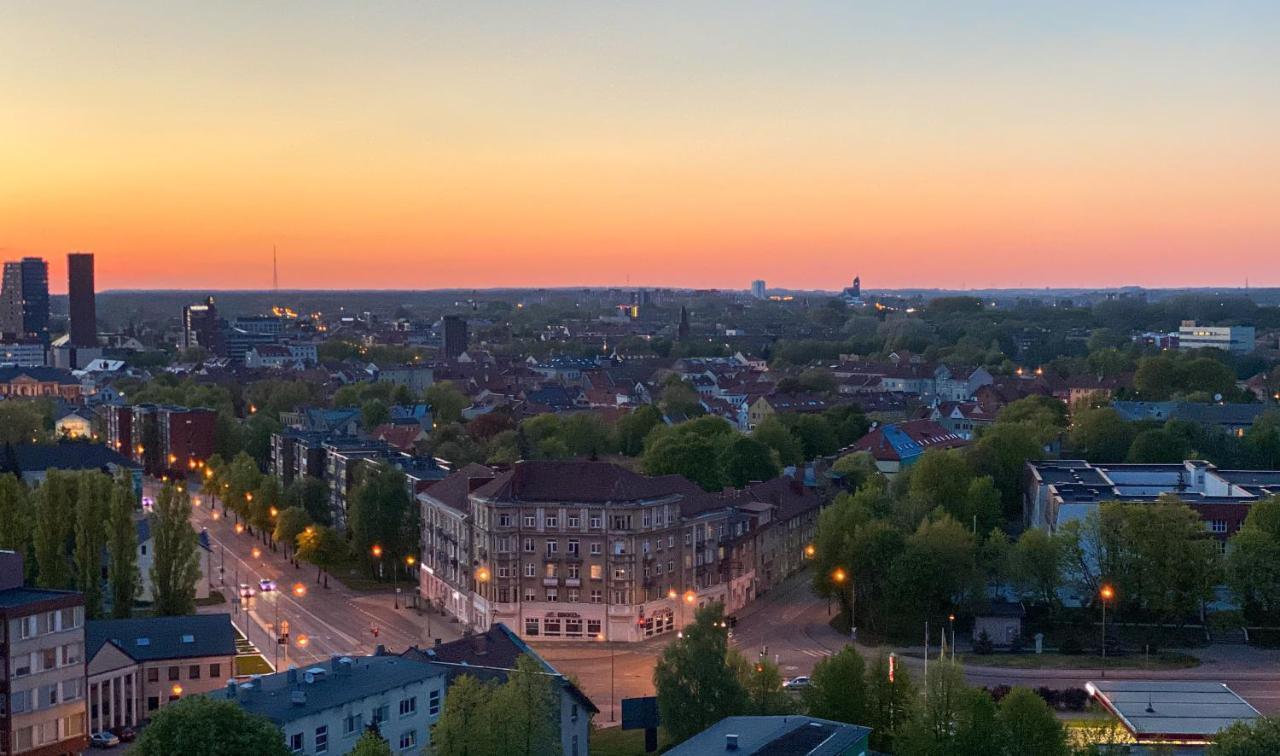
[(266, 585), (126, 734), (796, 683), (103, 740)]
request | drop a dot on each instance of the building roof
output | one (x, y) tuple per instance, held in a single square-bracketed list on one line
[(454, 489), (13, 598), (906, 441), (1195, 412), (580, 481), (285, 696), (64, 455), (490, 655), (154, 638), (775, 736), (1156, 710), (39, 374)]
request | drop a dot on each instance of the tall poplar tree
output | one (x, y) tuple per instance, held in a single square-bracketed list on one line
[(123, 576), (176, 567), (54, 518), (92, 504)]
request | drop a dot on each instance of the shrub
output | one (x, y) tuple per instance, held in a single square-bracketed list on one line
[(983, 644)]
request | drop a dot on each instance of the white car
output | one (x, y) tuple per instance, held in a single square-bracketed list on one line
[(247, 591), (266, 585), (796, 683), (103, 740)]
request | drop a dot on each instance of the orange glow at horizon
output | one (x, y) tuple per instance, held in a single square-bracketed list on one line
[(579, 145)]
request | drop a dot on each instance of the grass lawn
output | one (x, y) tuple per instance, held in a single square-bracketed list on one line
[(215, 598), (1163, 660), (615, 741), (252, 665)]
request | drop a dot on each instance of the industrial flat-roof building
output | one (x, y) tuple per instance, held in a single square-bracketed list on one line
[(1169, 712)]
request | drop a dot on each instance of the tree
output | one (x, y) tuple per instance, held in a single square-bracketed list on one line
[(685, 454), (695, 685), (176, 566), (1036, 565), (15, 515), (1002, 451), (935, 568), (324, 547), (1028, 725), (774, 433), (447, 402), (312, 495), (371, 743), (1158, 445), (241, 480), (374, 413), (891, 702), (528, 722), (816, 436), (289, 524), (267, 499), (934, 728), (744, 459), (92, 507), (630, 430), (54, 521), (203, 725), (1102, 435), (857, 468), (838, 689), (1253, 562), (123, 577), (1261, 737), (21, 422), (679, 399), (382, 514), (466, 723), (763, 683)]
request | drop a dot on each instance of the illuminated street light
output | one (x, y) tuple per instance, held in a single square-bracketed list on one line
[(809, 551), (256, 552), (299, 590)]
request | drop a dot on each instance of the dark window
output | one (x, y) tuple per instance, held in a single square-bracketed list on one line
[(174, 672), (194, 672), (215, 671), (153, 703), (153, 674)]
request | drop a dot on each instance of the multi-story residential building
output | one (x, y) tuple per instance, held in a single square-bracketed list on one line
[(1058, 491), (584, 549), (1238, 339), (165, 440), (23, 353), (758, 289), (43, 686), (24, 299), (138, 666), (325, 708)]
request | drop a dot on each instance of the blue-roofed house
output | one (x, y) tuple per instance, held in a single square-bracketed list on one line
[(137, 666), (325, 708), (777, 736)]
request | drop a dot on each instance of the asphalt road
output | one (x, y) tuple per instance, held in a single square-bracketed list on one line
[(334, 620)]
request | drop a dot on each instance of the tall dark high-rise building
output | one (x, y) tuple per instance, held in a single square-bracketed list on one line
[(80, 293), (24, 299), (202, 328), (454, 329), (682, 329)]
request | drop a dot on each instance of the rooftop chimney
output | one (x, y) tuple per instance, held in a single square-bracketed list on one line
[(480, 642), (291, 676), (731, 742)]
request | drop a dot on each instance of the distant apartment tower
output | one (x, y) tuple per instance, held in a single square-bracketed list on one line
[(757, 289), (454, 328), (83, 329), (43, 655), (24, 298), (1238, 339), (201, 327)]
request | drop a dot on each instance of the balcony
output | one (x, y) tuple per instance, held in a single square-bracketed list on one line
[(572, 582), (550, 582)]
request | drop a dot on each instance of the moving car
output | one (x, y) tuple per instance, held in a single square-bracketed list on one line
[(103, 740), (247, 591), (796, 683), (266, 585)]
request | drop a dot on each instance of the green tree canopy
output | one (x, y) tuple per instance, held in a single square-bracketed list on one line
[(209, 727), (695, 684)]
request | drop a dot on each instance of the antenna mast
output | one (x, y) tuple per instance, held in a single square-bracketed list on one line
[(275, 270)]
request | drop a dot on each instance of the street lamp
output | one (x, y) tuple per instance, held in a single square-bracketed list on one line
[(1106, 593), (377, 554), (256, 552), (409, 561), (952, 619), (839, 576), (239, 528), (612, 700), (810, 551)]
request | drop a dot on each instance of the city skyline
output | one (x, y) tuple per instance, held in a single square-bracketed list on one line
[(989, 145)]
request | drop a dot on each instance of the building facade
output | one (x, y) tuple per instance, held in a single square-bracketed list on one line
[(1238, 339), (83, 327), (44, 682), (24, 299)]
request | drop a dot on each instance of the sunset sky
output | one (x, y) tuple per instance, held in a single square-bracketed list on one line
[(427, 145)]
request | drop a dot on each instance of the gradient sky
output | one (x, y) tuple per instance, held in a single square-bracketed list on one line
[(424, 145)]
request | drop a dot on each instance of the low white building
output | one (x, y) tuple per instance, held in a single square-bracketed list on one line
[(1238, 339)]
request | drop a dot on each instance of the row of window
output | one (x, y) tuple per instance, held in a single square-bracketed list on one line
[(659, 518), (47, 658), (174, 672), (46, 622), (45, 733), (557, 627), (572, 596), (353, 725), (43, 697)]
